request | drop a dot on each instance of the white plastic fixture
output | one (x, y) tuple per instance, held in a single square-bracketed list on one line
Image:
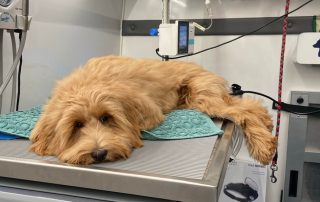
[(308, 48), (176, 39)]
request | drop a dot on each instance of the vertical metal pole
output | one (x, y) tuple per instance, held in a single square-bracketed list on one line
[(25, 12), (25, 6), (165, 18), (165, 11)]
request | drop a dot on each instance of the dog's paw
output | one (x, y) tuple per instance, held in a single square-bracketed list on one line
[(262, 146), (137, 144), (39, 148)]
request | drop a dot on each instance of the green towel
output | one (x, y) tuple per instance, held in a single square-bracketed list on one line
[(179, 124)]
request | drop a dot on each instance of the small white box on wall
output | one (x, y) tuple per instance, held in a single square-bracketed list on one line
[(308, 48)]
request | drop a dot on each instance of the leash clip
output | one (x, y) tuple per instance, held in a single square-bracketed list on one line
[(274, 168)]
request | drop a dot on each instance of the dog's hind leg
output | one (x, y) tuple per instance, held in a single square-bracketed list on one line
[(213, 99)]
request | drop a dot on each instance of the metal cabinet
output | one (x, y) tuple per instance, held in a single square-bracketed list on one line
[(302, 180)]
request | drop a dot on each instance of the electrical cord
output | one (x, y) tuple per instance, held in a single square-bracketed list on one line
[(15, 63), (210, 25), (239, 37), (210, 14), (19, 78), (236, 90), (1, 65), (14, 76)]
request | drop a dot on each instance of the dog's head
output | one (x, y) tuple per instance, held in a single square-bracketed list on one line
[(93, 124)]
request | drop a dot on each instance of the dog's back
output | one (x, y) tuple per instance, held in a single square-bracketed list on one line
[(164, 80)]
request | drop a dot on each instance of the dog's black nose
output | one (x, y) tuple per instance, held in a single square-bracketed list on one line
[(99, 154)]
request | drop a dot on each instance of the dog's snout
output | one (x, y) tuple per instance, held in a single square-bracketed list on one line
[(99, 154)]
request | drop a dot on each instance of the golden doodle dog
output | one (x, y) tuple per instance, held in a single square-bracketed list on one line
[(96, 113)]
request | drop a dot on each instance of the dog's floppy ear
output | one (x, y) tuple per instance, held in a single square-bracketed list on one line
[(141, 110), (142, 113), (43, 131)]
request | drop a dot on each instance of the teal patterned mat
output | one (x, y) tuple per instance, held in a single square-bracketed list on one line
[(18, 124), (183, 124), (179, 124)]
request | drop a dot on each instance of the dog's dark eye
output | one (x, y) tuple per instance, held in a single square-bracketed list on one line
[(104, 118), (78, 124)]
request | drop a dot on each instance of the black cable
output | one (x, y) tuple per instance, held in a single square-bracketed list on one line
[(301, 113), (282, 104), (239, 37), (263, 95), (19, 77)]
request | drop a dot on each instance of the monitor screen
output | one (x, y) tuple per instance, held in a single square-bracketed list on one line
[(183, 36)]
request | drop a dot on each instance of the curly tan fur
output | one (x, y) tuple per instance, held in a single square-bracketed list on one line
[(106, 103)]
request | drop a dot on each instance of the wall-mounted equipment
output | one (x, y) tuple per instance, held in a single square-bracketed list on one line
[(14, 14), (177, 38), (14, 17)]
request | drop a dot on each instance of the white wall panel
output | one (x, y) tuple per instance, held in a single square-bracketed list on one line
[(252, 62), (62, 36)]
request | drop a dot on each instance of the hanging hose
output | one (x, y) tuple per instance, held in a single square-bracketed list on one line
[(19, 78), (274, 166), (14, 76), (1, 64), (15, 63)]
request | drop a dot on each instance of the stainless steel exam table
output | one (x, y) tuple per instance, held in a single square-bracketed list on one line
[(190, 170)]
